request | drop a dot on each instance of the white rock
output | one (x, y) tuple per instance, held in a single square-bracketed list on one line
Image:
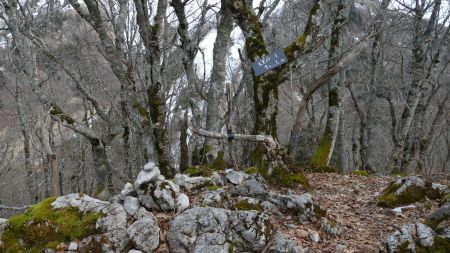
[(114, 226), (182, 202), (82, 201), (127, 189), (142, 213), (144, 234), (425, 235), (235, 177), (314, 236), (150, 166), (190, 183), (134, 251), (147, 177), (340, 248), (131, 205), (73, 246), (441, 188)]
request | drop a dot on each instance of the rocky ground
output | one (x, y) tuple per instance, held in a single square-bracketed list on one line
[(351, 202), (236, 212)]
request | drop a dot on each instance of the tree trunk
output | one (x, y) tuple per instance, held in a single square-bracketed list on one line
[(322, 156), (184, 149), (29, 168), (401, 158), (99, 161), (52, 163), (217, 83)]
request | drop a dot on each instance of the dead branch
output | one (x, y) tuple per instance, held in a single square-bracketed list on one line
[(16, 208), (271, 142)]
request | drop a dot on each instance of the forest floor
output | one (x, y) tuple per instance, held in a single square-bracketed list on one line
[(350, 201)]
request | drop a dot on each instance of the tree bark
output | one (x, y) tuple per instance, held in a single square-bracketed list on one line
[(322, 155), (184, 149), (217, 83)]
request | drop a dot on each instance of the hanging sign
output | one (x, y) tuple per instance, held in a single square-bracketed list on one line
[(269, 62)]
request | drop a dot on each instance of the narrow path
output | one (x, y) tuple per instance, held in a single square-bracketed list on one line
[(350, 201)]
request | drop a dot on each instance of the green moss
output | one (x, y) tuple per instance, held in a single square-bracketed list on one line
[(252, 170), (320, 157), (444, 200), (258, 154), (441, 245), (245, 205), (219, 163), (57, 112), (319, 212), (213, 188), (203, 170), (410, 195), (230, 247), (323, 169), (360, 172), (100, 188), (42, 227), (427, 205), (403, 248), (397, 173), (287, 179)]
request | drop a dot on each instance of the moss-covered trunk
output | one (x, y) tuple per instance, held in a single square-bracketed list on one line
[(272, 160), (322, 155), (100, 163)]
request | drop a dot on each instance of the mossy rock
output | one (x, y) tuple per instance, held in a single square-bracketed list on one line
[(203, 171), (441, 245), (247, 205), (206, 169), (360, 172), (282, 178), (397, 173), (322, 169), (252, 170), (444, 200), (42, 227), (410, 194)]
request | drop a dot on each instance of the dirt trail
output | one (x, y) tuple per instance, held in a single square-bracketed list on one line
[(350, 201)]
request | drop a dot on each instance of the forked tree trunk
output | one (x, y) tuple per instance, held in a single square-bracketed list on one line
[(265, 87)]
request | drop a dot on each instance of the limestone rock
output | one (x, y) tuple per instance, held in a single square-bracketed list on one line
[(250, 188), (182, 202), (283, 245), (114, 226), (142, 213), (73, 246), (329, 227), (410, 190), (144, 234), (206, 229), (150, 166), (441, 214), (131, 205), (218, 198), (301, 205), (3, 224), (409, 236), (126, 191), (314, 236), (81, 201), (190, 183), (160, 196), (145, 177), (217, 178), (235, 177)]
